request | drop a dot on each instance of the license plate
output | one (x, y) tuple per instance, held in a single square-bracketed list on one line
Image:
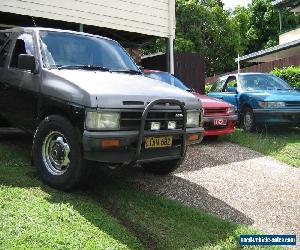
[(158, 142), (220, 122)]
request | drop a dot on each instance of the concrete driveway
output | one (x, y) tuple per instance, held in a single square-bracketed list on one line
[(232, 182)]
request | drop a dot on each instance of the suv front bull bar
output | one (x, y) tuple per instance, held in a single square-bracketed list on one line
[(142, 132)]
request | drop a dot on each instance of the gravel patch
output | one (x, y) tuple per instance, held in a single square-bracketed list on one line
[(234, 183)]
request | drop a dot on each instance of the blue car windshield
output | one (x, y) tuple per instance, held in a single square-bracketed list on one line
[(168, 78), (68, 49), (262, 82)]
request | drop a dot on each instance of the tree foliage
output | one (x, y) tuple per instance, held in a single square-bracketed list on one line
[(204, 26), (290, 74), (207, 29)]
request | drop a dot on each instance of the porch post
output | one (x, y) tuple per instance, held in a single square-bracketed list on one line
[(172, 25)]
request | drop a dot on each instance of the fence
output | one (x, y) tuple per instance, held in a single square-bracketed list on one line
[(263, 67), (188, 67)]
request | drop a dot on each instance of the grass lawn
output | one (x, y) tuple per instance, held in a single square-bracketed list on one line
[(282, 143), (113, 216), (34, 216)]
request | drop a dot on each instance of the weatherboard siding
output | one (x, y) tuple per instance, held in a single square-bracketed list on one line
[(148, 17)]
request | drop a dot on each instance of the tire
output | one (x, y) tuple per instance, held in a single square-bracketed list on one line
[(162, 167), (57, 153), (248, 121)]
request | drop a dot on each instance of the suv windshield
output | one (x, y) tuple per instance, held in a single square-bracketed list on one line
[(67, 50), (262, 82), (168, 78)]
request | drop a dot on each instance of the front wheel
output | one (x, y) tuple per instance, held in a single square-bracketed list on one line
[(162, 167), (57, 153), (248, 120)]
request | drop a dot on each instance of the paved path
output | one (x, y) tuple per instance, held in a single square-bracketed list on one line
[(235, 183)]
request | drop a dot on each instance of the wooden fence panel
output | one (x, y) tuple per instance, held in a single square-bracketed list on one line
[(188, 67)]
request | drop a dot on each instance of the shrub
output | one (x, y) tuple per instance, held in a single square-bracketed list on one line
[(207, 88), (290, 74)]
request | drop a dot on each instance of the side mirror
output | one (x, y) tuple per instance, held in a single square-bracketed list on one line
[(232, 89), (27, 62)]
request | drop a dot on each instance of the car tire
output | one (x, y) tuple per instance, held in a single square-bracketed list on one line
[(57, 153), (162, 167), (248, 120)]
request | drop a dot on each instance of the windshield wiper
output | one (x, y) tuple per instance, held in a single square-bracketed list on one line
[(128, 71), (86, 67)]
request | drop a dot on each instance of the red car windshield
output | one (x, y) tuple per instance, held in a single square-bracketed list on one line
[(167, 78)]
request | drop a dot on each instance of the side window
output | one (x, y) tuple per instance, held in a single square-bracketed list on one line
[(217, 86), (24, 45), (4, 47), (231, 82)]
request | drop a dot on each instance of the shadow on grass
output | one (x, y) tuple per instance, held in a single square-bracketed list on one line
[(16, 172), (159, 223)]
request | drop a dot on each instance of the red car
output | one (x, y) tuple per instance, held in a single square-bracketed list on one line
[(219, 116)]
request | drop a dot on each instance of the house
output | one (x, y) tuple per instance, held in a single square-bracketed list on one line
[(289, 40), (127, 21)]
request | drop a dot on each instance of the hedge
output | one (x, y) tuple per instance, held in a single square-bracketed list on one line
[(290, 74)]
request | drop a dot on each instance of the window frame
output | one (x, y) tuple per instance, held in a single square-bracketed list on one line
[(228, 80), (15, 38), (9, 42), (222, 82)]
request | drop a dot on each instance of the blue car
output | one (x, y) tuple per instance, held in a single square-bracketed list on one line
[(260, 99)]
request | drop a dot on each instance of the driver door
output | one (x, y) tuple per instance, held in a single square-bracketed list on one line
[(229, 92), (23, 85)]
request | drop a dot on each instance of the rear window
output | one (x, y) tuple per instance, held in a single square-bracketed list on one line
[(218, 86)]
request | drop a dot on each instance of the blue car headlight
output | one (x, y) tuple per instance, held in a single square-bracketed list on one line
[(271, 104)]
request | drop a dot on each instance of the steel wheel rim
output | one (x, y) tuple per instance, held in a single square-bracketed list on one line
[(248, 121), (55, 153)]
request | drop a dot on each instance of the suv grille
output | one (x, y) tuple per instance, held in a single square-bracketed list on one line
[(131, 120), (215, 111)]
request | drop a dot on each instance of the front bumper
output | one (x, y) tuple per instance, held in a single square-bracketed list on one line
[(213, 130), (124, 153), (277, 116), (130, 148)]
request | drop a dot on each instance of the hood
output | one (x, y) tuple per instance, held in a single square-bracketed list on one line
[(210, 102), (111, 90), (277, 95)]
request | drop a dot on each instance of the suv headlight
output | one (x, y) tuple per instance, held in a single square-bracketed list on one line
[(102, 121), (193, 119), (271, 104)]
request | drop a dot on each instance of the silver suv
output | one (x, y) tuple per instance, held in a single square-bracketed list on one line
[(84, 99)]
